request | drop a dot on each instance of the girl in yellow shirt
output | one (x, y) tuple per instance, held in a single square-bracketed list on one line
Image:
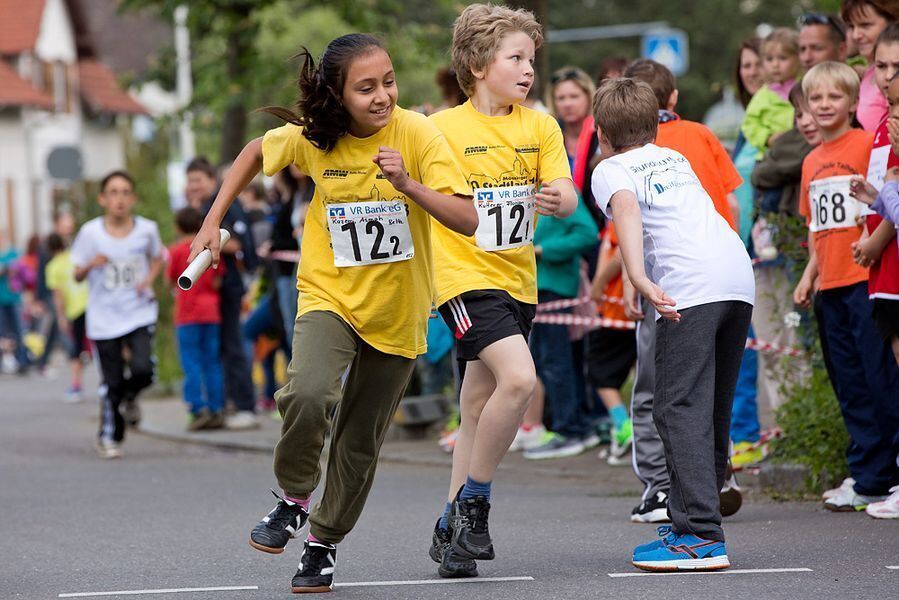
[(365, 282)]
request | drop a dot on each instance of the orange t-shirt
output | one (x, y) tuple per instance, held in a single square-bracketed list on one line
[(611, 307), (708, 158), (828, 168)]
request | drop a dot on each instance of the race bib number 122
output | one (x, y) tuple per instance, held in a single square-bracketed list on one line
[(505, 217), (369, 233), (831, 205)]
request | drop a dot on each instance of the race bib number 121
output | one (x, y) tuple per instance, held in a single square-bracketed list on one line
[(505, 217), (369, 233)]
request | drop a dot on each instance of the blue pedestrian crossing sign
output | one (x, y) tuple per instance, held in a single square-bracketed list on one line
[(669, 47)]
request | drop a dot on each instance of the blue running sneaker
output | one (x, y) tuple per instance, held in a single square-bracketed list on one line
[(680, 552), (665, 533)]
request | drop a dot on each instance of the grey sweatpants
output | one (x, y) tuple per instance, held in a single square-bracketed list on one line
[(697, 364), (649, 454)]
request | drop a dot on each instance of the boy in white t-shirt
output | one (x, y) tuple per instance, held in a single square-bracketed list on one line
[(667, 226), (120, 255)]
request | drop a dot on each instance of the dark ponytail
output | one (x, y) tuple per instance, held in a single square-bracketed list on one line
[(320, 111)]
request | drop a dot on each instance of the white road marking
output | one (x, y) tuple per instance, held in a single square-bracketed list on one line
[(432, 581), (721, 572), (893, 567), (230, 588)]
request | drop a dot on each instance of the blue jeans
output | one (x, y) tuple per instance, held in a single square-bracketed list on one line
[(11, 328), (866, 380), (552, 354), (198, 345), (744, 420), (262, 321)]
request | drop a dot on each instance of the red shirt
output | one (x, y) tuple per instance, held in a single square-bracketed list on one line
[(199, 304), (883, 276)]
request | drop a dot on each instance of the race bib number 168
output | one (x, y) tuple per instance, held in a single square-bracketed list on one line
[(831, 205), (369, 233), (505, 217)]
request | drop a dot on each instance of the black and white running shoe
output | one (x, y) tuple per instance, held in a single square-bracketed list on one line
[(471, 536), (731, 495), (316, 570), (284, 522), (652, 510), (441, 552)]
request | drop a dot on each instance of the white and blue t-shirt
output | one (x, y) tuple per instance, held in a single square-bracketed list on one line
[(115, 307), (689, 249)]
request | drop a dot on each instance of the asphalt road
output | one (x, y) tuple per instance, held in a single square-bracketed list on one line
[(172, 516)]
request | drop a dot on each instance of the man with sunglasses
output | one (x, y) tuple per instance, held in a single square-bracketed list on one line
[(821, 38)]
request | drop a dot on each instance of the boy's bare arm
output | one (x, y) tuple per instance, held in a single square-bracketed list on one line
[(629, 225)]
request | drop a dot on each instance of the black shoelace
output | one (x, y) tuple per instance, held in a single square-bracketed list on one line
[(315, 558), (284, 515), (476, 512)]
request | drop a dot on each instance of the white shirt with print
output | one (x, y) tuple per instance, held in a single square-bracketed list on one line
[(114, 306), (689, 249)]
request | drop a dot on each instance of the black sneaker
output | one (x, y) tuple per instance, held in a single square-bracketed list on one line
[(451, 564), (471, 538), (275, 530), (316, 570), (652, 510)]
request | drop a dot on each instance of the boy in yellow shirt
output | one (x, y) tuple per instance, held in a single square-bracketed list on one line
[(514, 160)]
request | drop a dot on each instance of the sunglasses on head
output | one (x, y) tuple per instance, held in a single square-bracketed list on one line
[(565, 76), (822, 19)]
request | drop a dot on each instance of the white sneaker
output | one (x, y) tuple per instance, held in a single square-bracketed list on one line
[(887, 509), (527, 440), (109, 449), (243, 419), (848, 500), (9, 364), (848, 483)]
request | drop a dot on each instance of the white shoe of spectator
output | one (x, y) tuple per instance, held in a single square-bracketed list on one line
[(848, 500), (888, 509), (109, 449), (9, 364), (527, 440), (846, 485), (243, 419)]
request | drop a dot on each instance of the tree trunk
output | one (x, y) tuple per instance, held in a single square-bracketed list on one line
[(237, 57)]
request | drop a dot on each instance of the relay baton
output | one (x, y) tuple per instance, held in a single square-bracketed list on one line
[(199, 264)]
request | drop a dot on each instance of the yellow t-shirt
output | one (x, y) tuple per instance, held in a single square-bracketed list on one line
[(504, 159), (60, 275), (366, 247)]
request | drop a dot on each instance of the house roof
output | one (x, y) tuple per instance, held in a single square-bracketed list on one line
[(15, 91), (101, 91), (19, 25)]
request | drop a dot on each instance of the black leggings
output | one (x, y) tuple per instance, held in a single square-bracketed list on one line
[(116, 386)]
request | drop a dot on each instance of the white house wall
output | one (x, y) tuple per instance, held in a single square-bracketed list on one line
[(102, 150), (56, 38), (13, 178)]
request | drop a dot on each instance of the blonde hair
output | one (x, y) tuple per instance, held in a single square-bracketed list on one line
[(783, 37), (626, 112), (574, 75), (840, 75), (478, 32)]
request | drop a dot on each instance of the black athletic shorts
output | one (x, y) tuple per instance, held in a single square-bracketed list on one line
[(482, 317), (611, 353)]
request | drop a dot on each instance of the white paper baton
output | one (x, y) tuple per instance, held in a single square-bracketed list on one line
[(199, 265)]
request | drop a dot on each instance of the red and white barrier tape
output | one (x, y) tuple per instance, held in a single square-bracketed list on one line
[(566, 319), (290, 256), (569, 302), (773, 348)]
